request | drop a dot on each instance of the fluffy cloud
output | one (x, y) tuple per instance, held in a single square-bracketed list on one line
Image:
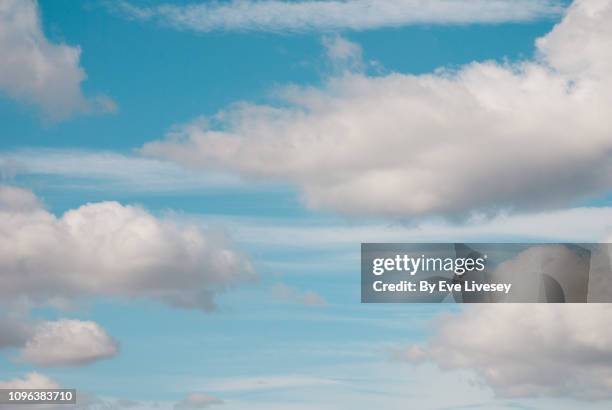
[(488, 136), (308, 15), (108, 249), (197, 401), (37, 71), (63, 342), (68, 343), (524, 350)]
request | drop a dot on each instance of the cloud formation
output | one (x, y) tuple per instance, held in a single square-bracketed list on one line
[(485, 137), (527, 350), (329, 15), (68, 343), (39, 72), (108, 249)]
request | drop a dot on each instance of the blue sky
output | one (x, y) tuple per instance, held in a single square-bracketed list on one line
[(291, 334)]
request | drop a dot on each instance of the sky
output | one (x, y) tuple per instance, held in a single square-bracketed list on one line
[(184, 187)]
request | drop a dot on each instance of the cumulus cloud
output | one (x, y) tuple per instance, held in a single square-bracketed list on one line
[(317, 15), (37, 71), (288, 293), (197, 401), (525, 350), (109, 249), (68, 343), (487, 136)]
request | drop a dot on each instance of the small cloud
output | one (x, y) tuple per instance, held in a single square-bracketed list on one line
[(197, 401), (290, 294), (103, 104), (68, 343), (344, 55)]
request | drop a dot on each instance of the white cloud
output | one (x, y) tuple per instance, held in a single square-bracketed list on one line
[(32, 380), (57, 343), (108, 249), (197, 401), (68, 343), (37, 71), (71, 169), (489, 136), (288, 293), (524, 350), (308, 15)]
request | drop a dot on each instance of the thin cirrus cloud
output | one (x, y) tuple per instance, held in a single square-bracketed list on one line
[(197, 401), (38, 72), (331, 15), (488, 136), (71, 169), (110, 250), (526, 350)]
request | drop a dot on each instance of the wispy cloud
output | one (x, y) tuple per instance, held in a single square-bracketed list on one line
[(103, 170), (330, 15), (267, 382), (587, 224)]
